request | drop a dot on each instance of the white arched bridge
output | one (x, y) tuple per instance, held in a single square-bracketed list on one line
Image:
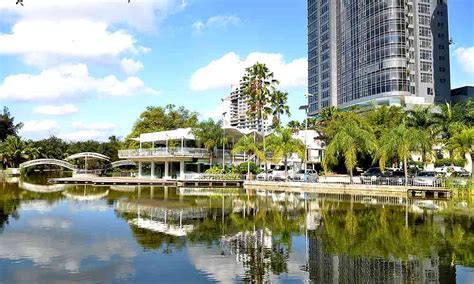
[(52, 162), (66, 164)]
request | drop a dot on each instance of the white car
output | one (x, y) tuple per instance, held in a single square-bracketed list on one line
[(426, 178), (267, 176), (312, 175)]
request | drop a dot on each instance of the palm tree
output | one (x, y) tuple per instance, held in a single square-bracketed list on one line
[(324, 117), (259, 84), (14, 150), (210, 134), (400, 142), (350, 136), (279, 103), (282, 144), (462, 144), (422, 118), (294, 125), (247, 145)]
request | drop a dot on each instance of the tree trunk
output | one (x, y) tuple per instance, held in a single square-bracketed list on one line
[(210, 159), (248, 167), (351, 174), (472, 164), (286, 167), (405, 168)]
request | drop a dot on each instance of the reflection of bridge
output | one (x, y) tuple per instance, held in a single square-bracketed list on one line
[(162, 227), (41, 188), (85, 197), (52, 162)]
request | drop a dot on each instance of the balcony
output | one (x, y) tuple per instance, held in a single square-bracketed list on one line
[(177, 152)]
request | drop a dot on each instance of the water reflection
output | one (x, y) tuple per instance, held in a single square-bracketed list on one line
[(105, 234)]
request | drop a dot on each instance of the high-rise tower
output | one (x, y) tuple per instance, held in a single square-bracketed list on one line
[(393, 52)]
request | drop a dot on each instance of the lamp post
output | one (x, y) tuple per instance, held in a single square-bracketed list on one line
[(223, 142), (305, 108)]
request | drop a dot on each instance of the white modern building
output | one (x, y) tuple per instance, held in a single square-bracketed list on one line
[(167, 154)]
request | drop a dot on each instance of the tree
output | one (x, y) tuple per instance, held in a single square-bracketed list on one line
[(400, 142), (350, 136), (259, 84), (8, 125), (14, 151), (210, 134), (282, 144), (155, 119), (295, 125), (463, 144), (246, 145), (422, 118), (52, 148), (279, 103), (383, 118)]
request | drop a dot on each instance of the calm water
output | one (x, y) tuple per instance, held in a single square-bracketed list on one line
[(168, 235)]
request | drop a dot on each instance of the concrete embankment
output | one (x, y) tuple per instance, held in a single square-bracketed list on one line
[(337, 188)]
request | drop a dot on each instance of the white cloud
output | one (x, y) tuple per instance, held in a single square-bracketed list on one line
[(229, 69), (141, 15), (89, 131), (98, 126), (45, 43), (65, 82), (56, 109), (216, 21), (131, 66), (465, 57), (32, 126)]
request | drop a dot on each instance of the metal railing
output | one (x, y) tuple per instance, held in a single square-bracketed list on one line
[(164, 152), (204, 176)]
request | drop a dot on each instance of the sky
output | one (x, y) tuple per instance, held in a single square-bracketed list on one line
[(86, 69)]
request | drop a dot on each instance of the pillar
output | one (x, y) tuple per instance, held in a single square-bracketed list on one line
[(166, 169), (152, 173), (165, 194), (181, 169), (199, 168), (139, 169)]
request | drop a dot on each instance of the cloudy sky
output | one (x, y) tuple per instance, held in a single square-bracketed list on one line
[(85, 69)]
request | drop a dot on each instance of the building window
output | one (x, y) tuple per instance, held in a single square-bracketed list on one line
[(426, 78), (429, 91)]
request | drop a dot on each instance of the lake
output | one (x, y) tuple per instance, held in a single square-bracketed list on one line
[(77, 233)]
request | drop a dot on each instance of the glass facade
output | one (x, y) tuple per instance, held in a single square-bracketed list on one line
[(382, 49)]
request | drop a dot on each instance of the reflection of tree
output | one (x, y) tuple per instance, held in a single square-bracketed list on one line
[(383, 232)]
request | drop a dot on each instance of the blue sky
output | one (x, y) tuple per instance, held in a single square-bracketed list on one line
[(86, 69)]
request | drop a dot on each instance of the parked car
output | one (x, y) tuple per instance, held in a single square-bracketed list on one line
[(460, 179), (391, 177), (279, 174), (427, 178), (312, 175), (370, 175), (265, 176)]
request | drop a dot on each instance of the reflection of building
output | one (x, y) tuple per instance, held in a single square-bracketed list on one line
[(387, 52), (325, 267)]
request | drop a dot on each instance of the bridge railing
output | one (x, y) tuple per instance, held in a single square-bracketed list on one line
[(53, 162)]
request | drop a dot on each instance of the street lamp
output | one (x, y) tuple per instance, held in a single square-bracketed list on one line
[(223, 142), (305, 108)]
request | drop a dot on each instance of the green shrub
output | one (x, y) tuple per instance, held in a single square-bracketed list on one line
[(447, 162), (242, 168)]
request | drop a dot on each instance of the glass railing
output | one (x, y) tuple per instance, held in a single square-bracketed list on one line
[(164, 152)]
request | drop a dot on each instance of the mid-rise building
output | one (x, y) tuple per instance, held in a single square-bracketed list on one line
[(236, 113), (462, 94), (392, 52)]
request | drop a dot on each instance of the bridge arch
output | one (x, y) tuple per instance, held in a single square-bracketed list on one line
[(122, 163), (88, 155), (52, 162)]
